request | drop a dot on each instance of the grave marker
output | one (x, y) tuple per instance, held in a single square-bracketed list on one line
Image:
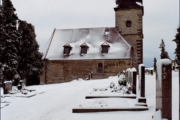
[(7, 85), (164, 88), (134, 76), (142, 80)]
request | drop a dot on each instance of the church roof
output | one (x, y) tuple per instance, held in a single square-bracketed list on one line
[(91, 37)]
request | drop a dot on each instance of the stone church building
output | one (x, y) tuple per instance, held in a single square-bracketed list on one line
[(103, 52)]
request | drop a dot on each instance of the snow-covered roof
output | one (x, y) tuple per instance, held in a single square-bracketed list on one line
[(93, 38)]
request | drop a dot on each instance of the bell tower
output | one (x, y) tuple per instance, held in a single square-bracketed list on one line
[(129, 24)]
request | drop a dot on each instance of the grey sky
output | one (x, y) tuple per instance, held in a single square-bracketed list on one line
[(160, 21)]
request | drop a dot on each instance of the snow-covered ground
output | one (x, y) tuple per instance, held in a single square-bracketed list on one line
[(56, 101)]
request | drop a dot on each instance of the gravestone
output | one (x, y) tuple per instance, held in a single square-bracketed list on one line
[(142, 83), (164, 88), (7, 86), (134, 76), (142, 80)]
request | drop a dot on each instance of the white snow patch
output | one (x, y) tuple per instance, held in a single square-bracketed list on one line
[(7, 81), (58, 100)]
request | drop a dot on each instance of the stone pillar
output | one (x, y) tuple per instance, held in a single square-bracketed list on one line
[(164, 88)]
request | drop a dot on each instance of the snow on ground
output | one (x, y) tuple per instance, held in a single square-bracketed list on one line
[(58, 100)]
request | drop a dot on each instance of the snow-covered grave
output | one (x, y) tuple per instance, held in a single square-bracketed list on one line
[(123, 90), (57, 101)]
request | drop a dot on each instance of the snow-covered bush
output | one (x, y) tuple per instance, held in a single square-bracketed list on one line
[(122, 80), (112, 85)]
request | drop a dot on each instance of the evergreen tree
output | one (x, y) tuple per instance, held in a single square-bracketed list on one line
[(9, 40), (155, 68), (177, 50), (164, 54), (30, 60)]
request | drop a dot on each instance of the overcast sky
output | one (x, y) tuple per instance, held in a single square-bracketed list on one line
[(160, 20)]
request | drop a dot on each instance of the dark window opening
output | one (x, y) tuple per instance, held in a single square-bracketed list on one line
[(128, 23), (117, 63), (105, 46), (100, 68), (84, 50), (105, 49), (67, 50)]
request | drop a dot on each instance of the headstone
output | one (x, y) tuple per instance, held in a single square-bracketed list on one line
[(7, 86), (141, 86), (164, 88), (142, 80), (134, 73)]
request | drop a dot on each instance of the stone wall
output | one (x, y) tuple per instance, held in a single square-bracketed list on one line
[(58, 71), (133, 34)]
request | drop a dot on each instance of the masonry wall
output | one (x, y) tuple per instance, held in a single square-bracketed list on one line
[(58, 71), (134, 34)]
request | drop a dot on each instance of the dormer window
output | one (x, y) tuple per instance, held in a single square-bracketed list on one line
[(67, 49), (84, 48), (105, 47)]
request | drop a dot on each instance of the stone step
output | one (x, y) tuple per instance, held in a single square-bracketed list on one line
[(122, 96), (86, 110), (141, 104)]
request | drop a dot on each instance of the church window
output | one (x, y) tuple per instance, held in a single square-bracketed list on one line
[(105, 47), (67, 49), (128, 23), (100, 67)]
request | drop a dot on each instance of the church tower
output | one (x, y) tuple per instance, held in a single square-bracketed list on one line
[(129, 24)]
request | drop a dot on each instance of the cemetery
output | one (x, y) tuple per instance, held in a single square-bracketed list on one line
[(129, 91), (86, 73)]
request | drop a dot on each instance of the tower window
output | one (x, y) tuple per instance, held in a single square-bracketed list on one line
[(67, 49), (128, 23), (105, 47)]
